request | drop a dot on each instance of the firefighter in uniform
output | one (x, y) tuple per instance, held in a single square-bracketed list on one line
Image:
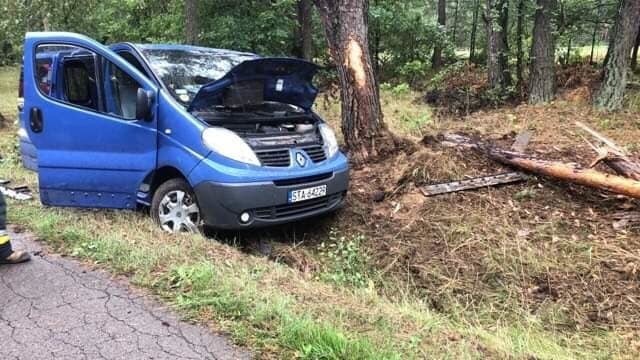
[(7, 255)]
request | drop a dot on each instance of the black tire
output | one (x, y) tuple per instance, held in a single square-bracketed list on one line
[(167, 191)]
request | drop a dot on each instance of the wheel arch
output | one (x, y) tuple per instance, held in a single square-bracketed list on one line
[(157, 177)]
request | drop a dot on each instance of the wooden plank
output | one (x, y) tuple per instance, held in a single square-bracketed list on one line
[(471, 184)]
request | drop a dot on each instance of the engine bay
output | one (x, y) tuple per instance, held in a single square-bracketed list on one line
[(268, 125)]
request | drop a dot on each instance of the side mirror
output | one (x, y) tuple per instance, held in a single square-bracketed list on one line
[(144, 101)]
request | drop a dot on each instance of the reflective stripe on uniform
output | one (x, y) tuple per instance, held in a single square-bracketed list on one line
[(4, 239)]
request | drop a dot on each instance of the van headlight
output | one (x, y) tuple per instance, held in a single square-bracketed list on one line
[(329, 139), (228, 144)]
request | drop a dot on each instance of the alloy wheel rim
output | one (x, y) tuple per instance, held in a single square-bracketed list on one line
[(178, 212)]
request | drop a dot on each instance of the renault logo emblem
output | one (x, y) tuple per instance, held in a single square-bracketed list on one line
[(301, 160)]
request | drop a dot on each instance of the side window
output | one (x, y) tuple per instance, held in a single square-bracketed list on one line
[(79, 82), (80, 77), (43, 74), (120, 92), (67, 73)]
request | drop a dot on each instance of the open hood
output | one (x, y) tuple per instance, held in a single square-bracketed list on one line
[(283, 80)]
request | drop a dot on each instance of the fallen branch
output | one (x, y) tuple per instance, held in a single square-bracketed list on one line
[(554, 169), (612, 155)]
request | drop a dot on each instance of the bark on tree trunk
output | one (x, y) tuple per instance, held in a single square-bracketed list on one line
[(436, 59), (611, 92), (474, 32), (542, 82), (363, 128), (520, 52), (455, 23), (305, 29), (191, 29), (496, 18)]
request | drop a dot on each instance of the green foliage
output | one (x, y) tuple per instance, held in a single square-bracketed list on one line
[(345, 262)]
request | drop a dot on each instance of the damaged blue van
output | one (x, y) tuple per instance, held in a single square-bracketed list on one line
[(203, 137)]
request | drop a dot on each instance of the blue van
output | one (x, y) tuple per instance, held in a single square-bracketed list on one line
[(203, 137)]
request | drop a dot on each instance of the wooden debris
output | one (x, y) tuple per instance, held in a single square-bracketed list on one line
[(612, 155), (558, 170), (15, 194), (470, 184)]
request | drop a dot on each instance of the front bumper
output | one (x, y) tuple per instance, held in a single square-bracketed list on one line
[(266, 202)]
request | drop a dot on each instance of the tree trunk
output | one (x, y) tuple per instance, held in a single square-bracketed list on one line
[(305, 29), (191, 29), (542, 82), (611, 92), (455, 23), (593, 42), (554, 169), (436, 59), (596, 27), (496, 18), (474, 31), (634, 55), (567, 56), (519, 36), (363, 128)]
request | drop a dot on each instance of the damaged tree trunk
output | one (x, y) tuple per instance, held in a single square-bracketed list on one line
[(554, 169), (363, 128)]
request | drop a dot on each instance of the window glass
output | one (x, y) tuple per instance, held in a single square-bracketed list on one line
[(79, 82), (120, 92), (184, 70), (67, 73), (79, 77), (131, 59), (43, 75)]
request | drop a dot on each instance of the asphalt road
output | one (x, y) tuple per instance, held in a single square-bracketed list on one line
[(56, 308)]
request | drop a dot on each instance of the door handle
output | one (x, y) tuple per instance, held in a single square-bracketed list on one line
[(35, 120)]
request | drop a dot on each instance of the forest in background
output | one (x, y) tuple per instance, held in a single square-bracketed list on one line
[(403, 33)]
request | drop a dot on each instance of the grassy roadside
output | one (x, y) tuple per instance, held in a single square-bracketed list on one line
[(278, 311)]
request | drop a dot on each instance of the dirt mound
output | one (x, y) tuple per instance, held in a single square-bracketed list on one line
[(577, 82), (462, 90)]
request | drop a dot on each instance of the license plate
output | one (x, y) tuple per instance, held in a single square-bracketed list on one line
[(307, 194)]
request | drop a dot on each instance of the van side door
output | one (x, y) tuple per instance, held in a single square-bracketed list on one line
[(94, 148)]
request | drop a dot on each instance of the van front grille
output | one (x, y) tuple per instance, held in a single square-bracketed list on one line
[(301, 208), (276, 158), (315, 153)]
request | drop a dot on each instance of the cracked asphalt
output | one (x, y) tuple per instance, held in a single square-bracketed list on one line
[(56, 308)]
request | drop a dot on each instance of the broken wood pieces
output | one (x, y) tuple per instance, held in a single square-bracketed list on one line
[(21, 192), (470, 184), (554, 169), (520, 144)]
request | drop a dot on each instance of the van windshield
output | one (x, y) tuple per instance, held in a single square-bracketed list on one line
[(185, 70)]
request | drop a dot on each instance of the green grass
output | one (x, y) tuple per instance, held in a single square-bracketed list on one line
[(276, 310)]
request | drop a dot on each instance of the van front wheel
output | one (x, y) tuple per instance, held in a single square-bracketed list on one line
[(174, 207)]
